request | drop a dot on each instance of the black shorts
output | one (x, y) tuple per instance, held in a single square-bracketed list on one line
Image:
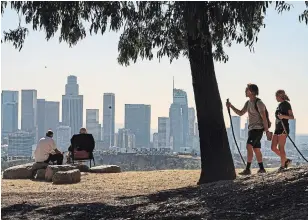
[(254, 137), (280, 130)]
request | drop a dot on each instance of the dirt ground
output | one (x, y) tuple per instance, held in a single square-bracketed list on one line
[(170, 194)]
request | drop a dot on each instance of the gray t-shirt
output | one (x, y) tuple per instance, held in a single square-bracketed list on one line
[(255, 120)]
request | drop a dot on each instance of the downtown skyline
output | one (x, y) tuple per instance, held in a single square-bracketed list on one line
[(107, 103), (39, 115), (100, 108)]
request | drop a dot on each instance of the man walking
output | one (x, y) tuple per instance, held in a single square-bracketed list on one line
[(258, 123)]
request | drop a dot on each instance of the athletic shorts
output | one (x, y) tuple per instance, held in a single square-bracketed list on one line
[(254, 137)]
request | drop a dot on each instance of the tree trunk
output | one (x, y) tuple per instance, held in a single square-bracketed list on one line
[(216, 158)]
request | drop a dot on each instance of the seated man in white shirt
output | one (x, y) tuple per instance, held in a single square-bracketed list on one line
[(47, 151)]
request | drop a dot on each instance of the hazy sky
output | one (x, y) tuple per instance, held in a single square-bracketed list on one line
[(279, 62)]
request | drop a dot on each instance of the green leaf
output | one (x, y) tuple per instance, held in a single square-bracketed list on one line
[(148, 25)]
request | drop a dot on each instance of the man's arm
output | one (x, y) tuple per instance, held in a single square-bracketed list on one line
[(92, 143), (239, 112), (262, 111), (72, 140), (54, 147), (57, 151), (265, 122)]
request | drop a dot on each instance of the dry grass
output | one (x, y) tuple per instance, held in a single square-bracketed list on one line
[(113, 183), (153, 195), (98, 187)]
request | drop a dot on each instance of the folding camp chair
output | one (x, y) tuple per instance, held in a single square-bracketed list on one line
[(82, 156), (82, 148)]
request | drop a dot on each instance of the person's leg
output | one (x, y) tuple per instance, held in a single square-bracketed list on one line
[(247, 170), (274, 145), (288, 161), (282, 142), (249, 155), (257, 149), (68, 157), (249, 147), (48, 159), (258, 154), (56, 157), (59, 159)]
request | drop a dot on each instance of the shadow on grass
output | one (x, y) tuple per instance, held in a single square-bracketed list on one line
[(22, 209), (83, 211), (89, 211), (183, 203), (186, 193)]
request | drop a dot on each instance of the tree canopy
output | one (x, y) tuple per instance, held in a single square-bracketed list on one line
[(146, 26), (198, 30)]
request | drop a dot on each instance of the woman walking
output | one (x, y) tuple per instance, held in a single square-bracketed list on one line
[(283, 114)]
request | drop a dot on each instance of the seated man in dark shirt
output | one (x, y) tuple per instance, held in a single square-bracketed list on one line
[(81, 142)]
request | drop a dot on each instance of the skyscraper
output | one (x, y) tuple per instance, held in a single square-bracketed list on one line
[(236, 121), (63, 137), (192, 140), (126, 139), (191, 121), (20, 143), (72, 105), (99, 137), (41, 119), (245, 131), (29, 111), (155, 140), (109, 118), (230, 139), (196, 129), (92, 123), (138, 120), (47, 117), (292, 134), (176, 126), (163, 132), (9, 112), (102, 133), (178, 114), (52, 116)]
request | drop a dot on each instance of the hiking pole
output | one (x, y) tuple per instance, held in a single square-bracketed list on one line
[(284, 128), (238, 149)]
